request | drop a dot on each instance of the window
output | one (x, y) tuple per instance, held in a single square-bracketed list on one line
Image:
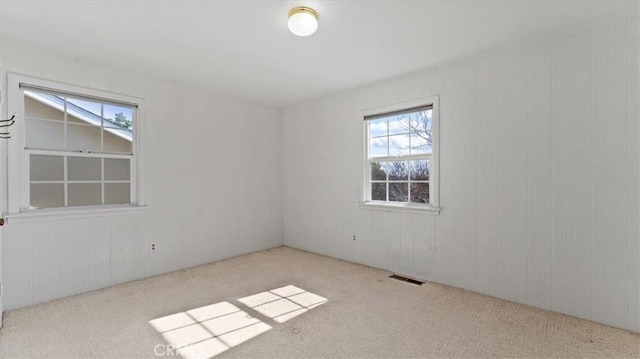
[(77, 149), (401, 156)]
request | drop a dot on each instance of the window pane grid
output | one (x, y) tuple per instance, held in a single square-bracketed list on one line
[(404, 133), (113, 124), (78, 192), (400, 181), (399, 157), (66, 140)]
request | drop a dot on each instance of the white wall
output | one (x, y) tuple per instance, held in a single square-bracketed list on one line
[(539, 176), (213, 187)]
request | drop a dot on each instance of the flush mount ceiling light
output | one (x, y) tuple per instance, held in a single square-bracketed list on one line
[(303, 21)]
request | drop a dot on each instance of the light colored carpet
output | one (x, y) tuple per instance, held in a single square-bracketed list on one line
[(366, 315)]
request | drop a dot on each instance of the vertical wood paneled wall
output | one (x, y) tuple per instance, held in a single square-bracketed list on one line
[(539, 176), (199, 197)]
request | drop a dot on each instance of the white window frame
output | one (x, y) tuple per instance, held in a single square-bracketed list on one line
[(17, 160), (434, 172)]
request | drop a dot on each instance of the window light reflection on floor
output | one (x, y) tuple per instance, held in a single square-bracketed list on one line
[(210, 330), (284, 303)]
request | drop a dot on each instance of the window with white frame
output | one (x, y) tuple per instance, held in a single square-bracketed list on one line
[(401, 156), (78, 149)]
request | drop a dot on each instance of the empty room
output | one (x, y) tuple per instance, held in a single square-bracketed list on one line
[(320, 179)]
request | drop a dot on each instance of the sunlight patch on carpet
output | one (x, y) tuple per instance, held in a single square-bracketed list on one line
[(283, 304), (207, 331)]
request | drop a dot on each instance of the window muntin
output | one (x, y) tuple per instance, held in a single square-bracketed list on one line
[(401, 133), (57, 121), (400, 157), (400, 181), (71, 180), (79, 151)]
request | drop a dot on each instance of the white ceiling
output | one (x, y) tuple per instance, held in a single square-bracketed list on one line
[(244, 47)]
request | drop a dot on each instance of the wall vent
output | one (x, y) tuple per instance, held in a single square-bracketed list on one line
[(405, 279)]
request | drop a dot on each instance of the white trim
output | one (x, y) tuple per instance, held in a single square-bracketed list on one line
[(434, 196), (73, 213), (137, 163), (419, 102), (80, 92), (420, 156), (65, 173), (434, 157), (45, 152), (15, 147), (79, 181), (399, 207), (17, 173)]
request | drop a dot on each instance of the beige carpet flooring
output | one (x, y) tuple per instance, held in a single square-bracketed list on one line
[(366, 315)]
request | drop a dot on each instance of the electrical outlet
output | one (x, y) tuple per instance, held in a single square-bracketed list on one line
[(153, 247), (354, 237)]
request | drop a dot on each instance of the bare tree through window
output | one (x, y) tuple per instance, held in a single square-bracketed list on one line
[(403, 142)]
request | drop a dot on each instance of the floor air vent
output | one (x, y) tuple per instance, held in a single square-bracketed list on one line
[(405, 279)]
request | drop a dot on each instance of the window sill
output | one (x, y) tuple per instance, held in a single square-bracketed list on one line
[(72, 213), (400, 207)]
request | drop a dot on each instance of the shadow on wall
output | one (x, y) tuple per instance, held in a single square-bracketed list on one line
[(213, 329)]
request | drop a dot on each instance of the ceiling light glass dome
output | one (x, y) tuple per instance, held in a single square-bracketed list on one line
[(303, 21)]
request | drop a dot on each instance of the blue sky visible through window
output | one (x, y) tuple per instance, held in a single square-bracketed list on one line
[(110, 112), (408, 133), (118, 120)]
